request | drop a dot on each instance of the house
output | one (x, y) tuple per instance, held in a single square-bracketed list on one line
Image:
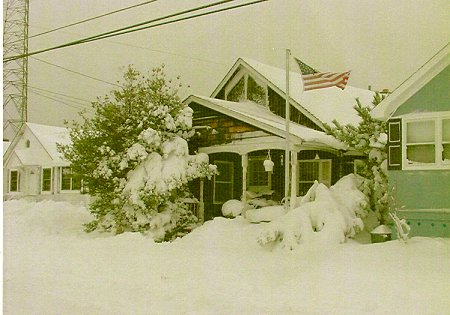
[(418, 116), (34, 169), (242, 125)]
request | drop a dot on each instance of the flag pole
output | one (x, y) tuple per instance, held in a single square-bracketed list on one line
[(288, 118)]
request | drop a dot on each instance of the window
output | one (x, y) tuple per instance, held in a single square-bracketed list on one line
[(14, 180), (223, 182), (245, 87), (257, 177), (69, 181), (311, 170), (46, 180), (427, 143)]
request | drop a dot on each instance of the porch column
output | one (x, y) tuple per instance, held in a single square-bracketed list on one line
[(244, 162), (201, 204), (294, 183)]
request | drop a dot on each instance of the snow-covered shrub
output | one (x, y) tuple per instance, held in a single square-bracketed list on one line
[(327, 216), (133, 157), (370, 138), (232, 208)]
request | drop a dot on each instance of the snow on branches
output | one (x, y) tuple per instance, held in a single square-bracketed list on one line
[(323, 216)]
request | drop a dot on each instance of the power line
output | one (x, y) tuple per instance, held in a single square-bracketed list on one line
[(79, 106), (61, 94), (76, 72), (92, 18), (130, 28)]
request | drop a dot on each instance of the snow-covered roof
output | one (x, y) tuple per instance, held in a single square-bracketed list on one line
[(323, 105), (49, 137), (413, 84), (261, 117)]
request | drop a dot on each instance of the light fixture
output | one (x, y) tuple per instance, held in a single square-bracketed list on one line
[(268, 163), (317, 157)]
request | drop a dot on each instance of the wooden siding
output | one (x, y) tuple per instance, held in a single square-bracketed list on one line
[(226, 127), (277, 105)]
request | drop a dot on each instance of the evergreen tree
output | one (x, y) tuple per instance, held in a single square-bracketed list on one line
[(132, 156), (369, 137)]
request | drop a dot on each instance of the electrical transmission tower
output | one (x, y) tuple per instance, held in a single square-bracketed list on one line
[(15, 72)]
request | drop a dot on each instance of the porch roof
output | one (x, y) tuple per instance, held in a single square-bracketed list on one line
[(262, 118), (247, 145)]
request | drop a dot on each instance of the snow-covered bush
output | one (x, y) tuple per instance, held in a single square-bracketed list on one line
[(132, 156), (232, 208), (370, 138), (327, 216)]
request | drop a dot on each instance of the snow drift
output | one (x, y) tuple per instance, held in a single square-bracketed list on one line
[(324, 215)]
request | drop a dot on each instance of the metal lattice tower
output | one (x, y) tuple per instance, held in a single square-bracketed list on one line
[(15, 72)]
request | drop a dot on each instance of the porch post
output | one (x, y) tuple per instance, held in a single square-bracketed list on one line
[(201, 204), (244, 162), (287, 131), (293, 198)]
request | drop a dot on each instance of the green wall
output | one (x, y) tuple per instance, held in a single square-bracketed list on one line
[(421, 189), (433, 97)]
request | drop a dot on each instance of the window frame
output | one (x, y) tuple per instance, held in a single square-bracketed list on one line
[(46, 192), (71, 190), (437, 118), (320, 175), (245, 74), (18, 181), (257, 188), (231, 182)]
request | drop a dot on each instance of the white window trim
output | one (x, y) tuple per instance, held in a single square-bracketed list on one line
[(328, 182), (18, 181), (47, 192), (437, 117), (66, 191), (245, 74), (227, 182)]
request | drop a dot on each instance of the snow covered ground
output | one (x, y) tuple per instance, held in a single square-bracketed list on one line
[(52, 267)]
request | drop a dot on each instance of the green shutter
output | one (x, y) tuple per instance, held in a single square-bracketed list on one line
[(394, 144)]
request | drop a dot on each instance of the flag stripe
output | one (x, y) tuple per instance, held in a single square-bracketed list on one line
[(325, 79)]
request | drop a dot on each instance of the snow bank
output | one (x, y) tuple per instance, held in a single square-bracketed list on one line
[(232, 208), (325, 216), (51, 267)]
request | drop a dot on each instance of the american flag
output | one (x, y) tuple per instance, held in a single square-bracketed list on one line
[(325, 79)]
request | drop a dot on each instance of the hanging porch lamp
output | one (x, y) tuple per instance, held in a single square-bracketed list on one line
[(268, 163)]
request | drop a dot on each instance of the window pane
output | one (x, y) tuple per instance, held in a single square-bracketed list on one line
[(237, 92), (46, 179), (446, 130), (225, 172), (420, 153), (255, 92), (308, 171), (326, 172), (14, 181), (223, 192), (66, 177), (446, 153), (257, 175), (420, 131)]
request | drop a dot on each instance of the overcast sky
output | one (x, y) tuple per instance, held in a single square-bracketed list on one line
[(381, 41)]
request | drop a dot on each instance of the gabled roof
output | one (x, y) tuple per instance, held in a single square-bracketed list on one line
[(413, 84), (260, 117), (321, 106), (48, 137)]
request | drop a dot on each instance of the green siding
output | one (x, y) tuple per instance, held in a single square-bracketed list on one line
[(433, 97), (421, 189)]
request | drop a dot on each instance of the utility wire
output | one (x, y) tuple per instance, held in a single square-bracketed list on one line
[(56, 93), (92, 18), (76, 72), (80, 106), (123, 30), (117, 30)]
